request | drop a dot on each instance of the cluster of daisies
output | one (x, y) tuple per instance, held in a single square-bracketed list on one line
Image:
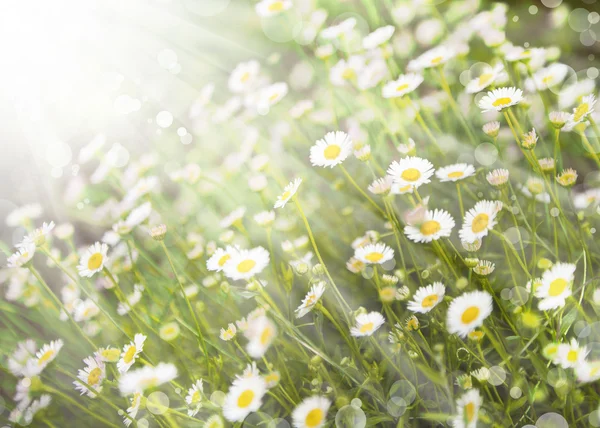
[(242, 295)]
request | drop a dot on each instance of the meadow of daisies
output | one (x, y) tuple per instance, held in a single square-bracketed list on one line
[(388, 223)]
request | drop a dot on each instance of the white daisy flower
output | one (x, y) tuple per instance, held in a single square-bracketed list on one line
[(216, 262), (432, 58), (588, 371), (345, 71), (378, 253), (110, 355), (547, 77), (479, 220), (378, 37), (468, 409), (92, 375), (134, 406), (244, 264), (23, 215), (367, 324), (229, 333), (556, 286), (311, 299), (84, 310), (93, 260), (342, 29), (233, 217), (244, 397), (434, 225), (411, 171), (288, 192), (497, 177), (301, 108), (381, 186), (571, 355), (311, 412), (373, 73), (332, 150), (17, 361), (130, 300), (214, 421), (130, 352), (23, 255), (500, 98), (271, 95), (244, 77), (403, 85), (194, 398), (458, 171), (484, 267), (268, 8), (485, 79), (427, 298), (261, 332), (468, 311), (584, 109), (145, 378), (39, 236), (43, 357)]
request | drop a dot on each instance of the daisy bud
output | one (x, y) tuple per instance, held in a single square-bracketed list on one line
[(484, 267), (497, 177), (363, 154), (472, 246), (413, 355), (567, 177), (169, 331), (389, 279), (158, 232), (471, 262), (412, 323), (387, 294), (482, 374), (491, 129), (402, 293), (224, 286), (316, 360), (476, 335), (318, 269), (324, 52), (546, 164), (341, 402), (530, 320), (558, 119), (461, 283), (544, 263), (301, 268), (529, 140)]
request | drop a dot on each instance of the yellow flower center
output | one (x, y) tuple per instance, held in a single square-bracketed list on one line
[(47, 355), (480, 223), (224, 259), (348, 74), (128, 357), (374, 257), (501, 102), (94, 376), (580, 111), (365, 328), (485, 78), (169, 330), (430, 227), (572, 356), (557, 287), (470, 411), (95, 261), (402, 87), (274, 97), (149, 383), (246, 265), (437, 60), (272, 377), (314, 418), (244, 77), (196, 397), (285, 195), (470, 315), (429, 301), (245, 398), (332, 151), (456, 174), (276, 6), (411, 174), (266, 336), (110, 354), (548, 79)]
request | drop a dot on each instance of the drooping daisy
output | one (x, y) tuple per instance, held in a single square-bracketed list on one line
[(43, 357), (556, 286), (427, 298), (229, 333), (588, 371), (233, 218), (403, 85), (23, 353), (500, 98), (332, 150), (131, 352), (468, 409), (288, 192), (244, 397), (571, 355), (110, 355), (194, 398), (479, 220), (432, 58), (567, 177), (93, 260), (468, 311), (381, 186), (311, 412), (378, 37), (378, 253), (23, 255), (455, 172), (272, 379), (485, 79), (434, 225), (367, 324), (39, 236), (411, 171), (261, 332), (91, 377), (547, 77), (584, 109), (145, 378), (268, 8), (311, 299), (84, 310), (134, 406), (484, 267), (244, 264)]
